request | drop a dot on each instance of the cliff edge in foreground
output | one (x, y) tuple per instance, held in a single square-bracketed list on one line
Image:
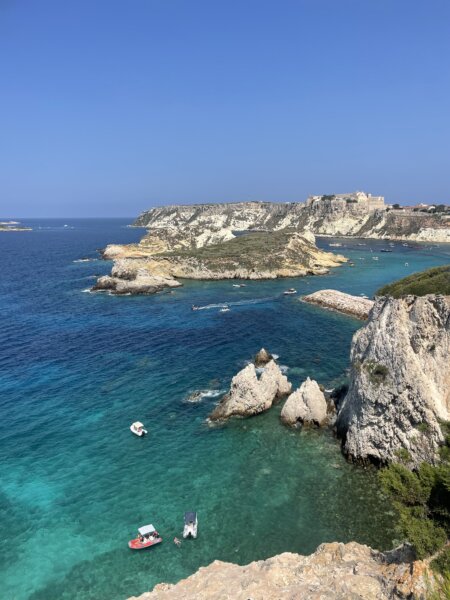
[(399, 382), (335, 571)]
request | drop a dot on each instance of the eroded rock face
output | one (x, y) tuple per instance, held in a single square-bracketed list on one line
[(249, 395), (134, 276), (334, 572), (400, 381), (356, 306), (262, 358), (306, 405)]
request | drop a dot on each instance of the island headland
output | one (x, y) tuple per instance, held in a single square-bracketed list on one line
[(207, 241)]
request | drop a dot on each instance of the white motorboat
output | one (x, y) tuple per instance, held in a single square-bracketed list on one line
[(374, 257), (224, 309), (190, 525), (138, 429), (337, 245), (290, 292)]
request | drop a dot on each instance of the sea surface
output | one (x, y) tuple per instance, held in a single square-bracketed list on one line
[(77, 368)]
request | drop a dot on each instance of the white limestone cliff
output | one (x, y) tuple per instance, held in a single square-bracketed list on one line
[(307, 405), (399, 382), (250, 395)]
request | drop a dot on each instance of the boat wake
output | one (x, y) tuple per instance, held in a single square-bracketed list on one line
[(199, 395), (237, 303)]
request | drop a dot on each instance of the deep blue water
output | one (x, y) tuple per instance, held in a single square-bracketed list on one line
[(77, 368)]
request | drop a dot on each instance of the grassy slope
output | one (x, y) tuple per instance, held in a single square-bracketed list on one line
[(260, 250), (431, 281)]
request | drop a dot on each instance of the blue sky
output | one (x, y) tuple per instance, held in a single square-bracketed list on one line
[(108, 107)]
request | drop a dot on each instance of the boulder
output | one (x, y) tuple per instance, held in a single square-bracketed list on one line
[(250, 395), (262, 358), (306, 405)]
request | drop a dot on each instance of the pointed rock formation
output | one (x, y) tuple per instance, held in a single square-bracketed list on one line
[(249, 395), (306, 405), (262, 358)]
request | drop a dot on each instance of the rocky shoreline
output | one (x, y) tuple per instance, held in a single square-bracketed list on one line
[(355, 306), (334, 570)]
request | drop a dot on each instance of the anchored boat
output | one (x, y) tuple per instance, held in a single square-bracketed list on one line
[(138, 428), (147, 537), (190, 525), (290, 292)]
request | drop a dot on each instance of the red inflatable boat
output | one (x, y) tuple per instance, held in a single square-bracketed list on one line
[(148, 536)]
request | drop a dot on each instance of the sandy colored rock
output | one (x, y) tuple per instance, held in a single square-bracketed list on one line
[(399, 381), (250, 395), (334, 572), (306, 405), (356, 306)]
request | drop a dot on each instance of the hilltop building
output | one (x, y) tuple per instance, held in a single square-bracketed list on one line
[(362, 200)]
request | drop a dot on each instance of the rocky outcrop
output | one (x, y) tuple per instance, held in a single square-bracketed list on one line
[(334, 571), (257, 256), (250, 395), (262, 358), (399, 382), (356, 306), (328, 216), (136, 276), (307, 405)]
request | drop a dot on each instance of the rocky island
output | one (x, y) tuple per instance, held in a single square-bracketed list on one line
[(12, 226), (356, 306), (355, 214), (163, 257)]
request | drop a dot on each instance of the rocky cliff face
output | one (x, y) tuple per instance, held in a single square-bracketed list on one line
[(159, 261), (325, 217), (335, 572), (400, 382)]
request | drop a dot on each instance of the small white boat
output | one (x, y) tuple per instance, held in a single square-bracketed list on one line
[(138, 429), (337, 245), (236, 285), (190, 525), (374, 257), (224, 309), (290, 292)]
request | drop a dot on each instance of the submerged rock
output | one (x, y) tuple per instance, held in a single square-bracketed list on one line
[(399, 382), (356, 306), (334, 571), (249, 395), (262, 358), (306, 405)]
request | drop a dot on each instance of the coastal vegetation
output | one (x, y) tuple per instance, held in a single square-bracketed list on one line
[(431, 281), (422, 498)]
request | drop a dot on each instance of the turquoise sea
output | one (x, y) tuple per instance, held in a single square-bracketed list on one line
[(77, 368)]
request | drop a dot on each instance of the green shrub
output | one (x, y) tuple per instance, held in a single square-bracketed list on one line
[(441, 564), (431, 281), (403, 485), (423, 427), (422, 533)]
